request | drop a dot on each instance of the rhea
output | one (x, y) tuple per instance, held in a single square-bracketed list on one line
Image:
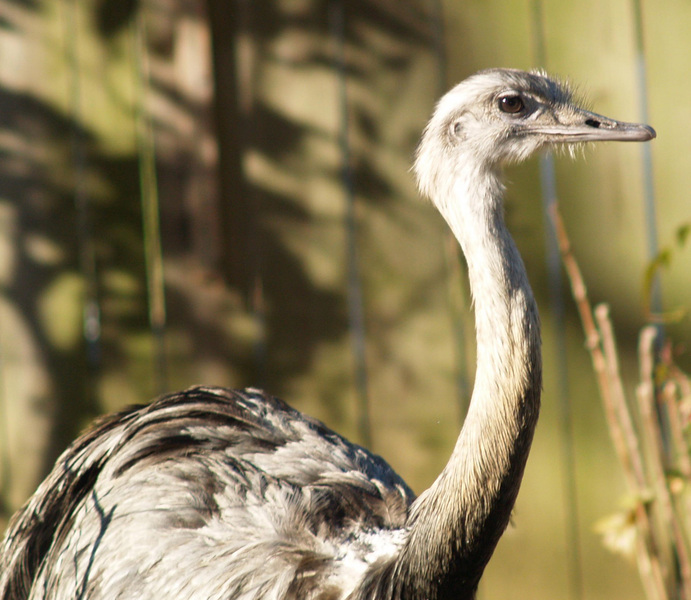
[(219, 494)]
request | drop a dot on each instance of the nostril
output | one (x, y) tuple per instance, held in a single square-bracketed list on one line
[(593, 123)]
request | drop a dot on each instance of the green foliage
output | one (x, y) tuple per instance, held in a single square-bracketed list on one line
[(663, 261)]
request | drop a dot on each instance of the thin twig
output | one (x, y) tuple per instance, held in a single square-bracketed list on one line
[(649, 563), (682, 460), (633, 450), (593, 344), (618, 396), (651, 425), (680, 456)]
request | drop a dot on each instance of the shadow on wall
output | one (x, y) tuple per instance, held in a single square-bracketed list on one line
[(251, 204)]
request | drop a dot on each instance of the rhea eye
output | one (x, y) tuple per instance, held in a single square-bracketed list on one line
[(511, 104)]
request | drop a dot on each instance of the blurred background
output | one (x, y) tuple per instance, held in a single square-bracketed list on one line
[(219, 192)]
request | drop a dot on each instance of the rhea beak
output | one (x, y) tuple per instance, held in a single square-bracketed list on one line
[(584, 126)]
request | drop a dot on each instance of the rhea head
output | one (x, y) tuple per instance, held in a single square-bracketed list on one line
[(504, 115)]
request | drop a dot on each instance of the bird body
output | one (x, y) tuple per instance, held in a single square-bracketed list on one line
[(214, 493), (210, 493)]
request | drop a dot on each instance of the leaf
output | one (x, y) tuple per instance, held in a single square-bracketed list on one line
[(682, 234), (661, 261), (619, 533)]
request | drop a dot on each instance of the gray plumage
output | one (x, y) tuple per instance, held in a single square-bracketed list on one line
[(220, 494)]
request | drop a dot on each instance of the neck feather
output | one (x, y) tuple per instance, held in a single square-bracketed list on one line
[(456, 524)]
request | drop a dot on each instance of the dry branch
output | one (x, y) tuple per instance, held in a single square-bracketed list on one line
[(664, 574)]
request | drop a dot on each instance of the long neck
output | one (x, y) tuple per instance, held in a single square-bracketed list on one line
[(456, 524)]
